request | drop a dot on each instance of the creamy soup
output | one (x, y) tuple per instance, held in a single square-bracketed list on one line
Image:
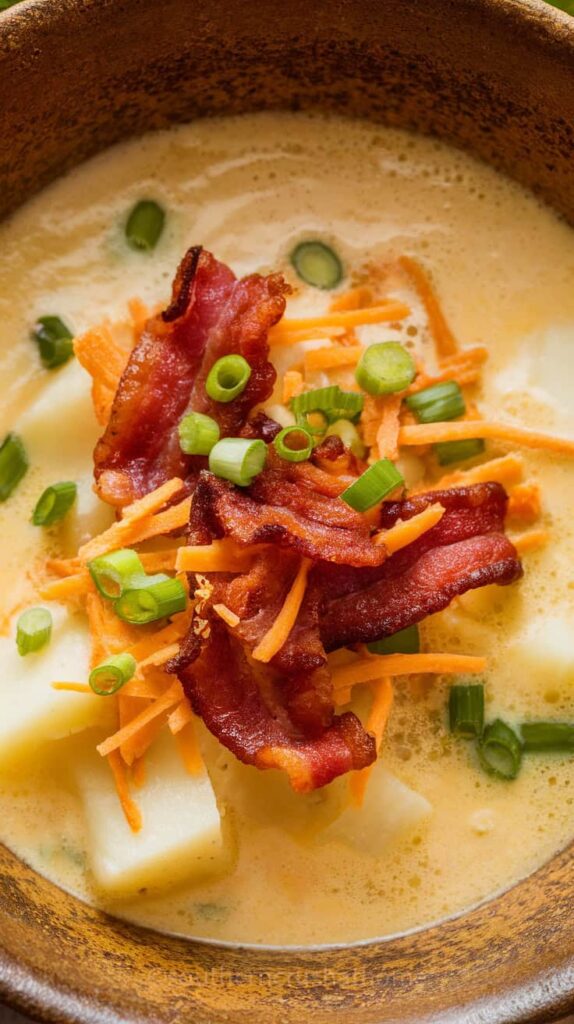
[(235, 854)]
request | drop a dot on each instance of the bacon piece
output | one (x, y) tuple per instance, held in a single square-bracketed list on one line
[(261, 427), (241, 710), (210, 315), (428, 586), (301, 519)]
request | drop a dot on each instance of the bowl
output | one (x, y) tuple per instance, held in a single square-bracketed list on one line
[(493, 76)]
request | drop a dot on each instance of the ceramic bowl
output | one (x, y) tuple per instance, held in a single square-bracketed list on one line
[(493, 76)]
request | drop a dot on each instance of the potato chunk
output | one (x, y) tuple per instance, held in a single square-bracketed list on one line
[(181, 837)]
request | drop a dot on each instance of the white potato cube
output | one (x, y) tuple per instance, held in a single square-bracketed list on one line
[(31, 711), (546, 652), (388, 811), (181, 836)]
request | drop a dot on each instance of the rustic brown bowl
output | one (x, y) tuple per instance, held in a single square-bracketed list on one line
[(495, 76)]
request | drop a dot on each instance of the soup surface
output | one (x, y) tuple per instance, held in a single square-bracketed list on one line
[(435, 834)]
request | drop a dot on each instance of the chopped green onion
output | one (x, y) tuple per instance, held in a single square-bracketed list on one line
[(336, 404), (5, 4), (317, 264), (349, 435), (113, 572), (238, 459), (384, 368), (111, 675), (466, 710), (33, 630), (378, 480), (406, 641), (13, 464), (227, 378), (315, 422), (197, 434), (500, 750), (150, 598), (549, 736), (145, 225), (294, 444), (54, 503), (440, 402), (55, 341), (457, 451)]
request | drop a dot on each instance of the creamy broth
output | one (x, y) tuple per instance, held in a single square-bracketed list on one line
[(503, 265)]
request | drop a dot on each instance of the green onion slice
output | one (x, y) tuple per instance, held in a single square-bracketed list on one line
[(55, 341), (33, 630), (457, 451), (336, 404), (466, 710), (549, 736), (500, 750), (294, 444), (384, 368), (238, 459), (227, 378), (406, 641), (150, 598), (378, 480), (113, 572), (111, 675), (145, 225), (349, 435), (315, 422), (54, 503), (440, 402), (197, 434), (13, 464), (317, 264)]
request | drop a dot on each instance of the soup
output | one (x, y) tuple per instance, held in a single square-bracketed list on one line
[(218, 848)]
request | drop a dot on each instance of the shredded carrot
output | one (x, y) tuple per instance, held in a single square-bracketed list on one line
[(355, 298), (364, 670), (159, 707), (506, 470), (332, 357), (532, 540), (139, 772), (525, 503), (276, 636), (389, 309), (376, 724), (432, 433), (219, 556), (131, 810), (72, 687), (406, 531), (189, 750), (387, 438), (292, 385), (132, 531), (444, 339), (66, 588), (225, 613)]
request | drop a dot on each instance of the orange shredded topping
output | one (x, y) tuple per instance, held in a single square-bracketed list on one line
[(332, 357), (364, 670), (131, 810), (376, 724), (525, 503), (72, 687), (276, 636), (387, 437), (128, 532), (355, 298), (66, 588), (464, 368), (159, 707), (219, 556), (104, 352), (461, 430), (292, 385), (189, 750), (387, 310), (506, 470), (225, 613), (444, 339), (407, 531), (532, 540)]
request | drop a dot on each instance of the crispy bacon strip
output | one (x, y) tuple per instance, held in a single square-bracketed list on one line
[(428, 586), (242, 711), (210, 315), (298, 518)]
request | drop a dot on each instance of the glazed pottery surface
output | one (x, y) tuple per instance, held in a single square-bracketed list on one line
[(494, 76)]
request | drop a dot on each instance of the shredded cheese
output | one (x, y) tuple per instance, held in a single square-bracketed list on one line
[(406, 531), (364, 670), (277, 635), (461, 430)]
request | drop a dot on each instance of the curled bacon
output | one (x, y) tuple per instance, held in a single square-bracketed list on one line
[(210, 315), (288, 515), (245, 715)]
